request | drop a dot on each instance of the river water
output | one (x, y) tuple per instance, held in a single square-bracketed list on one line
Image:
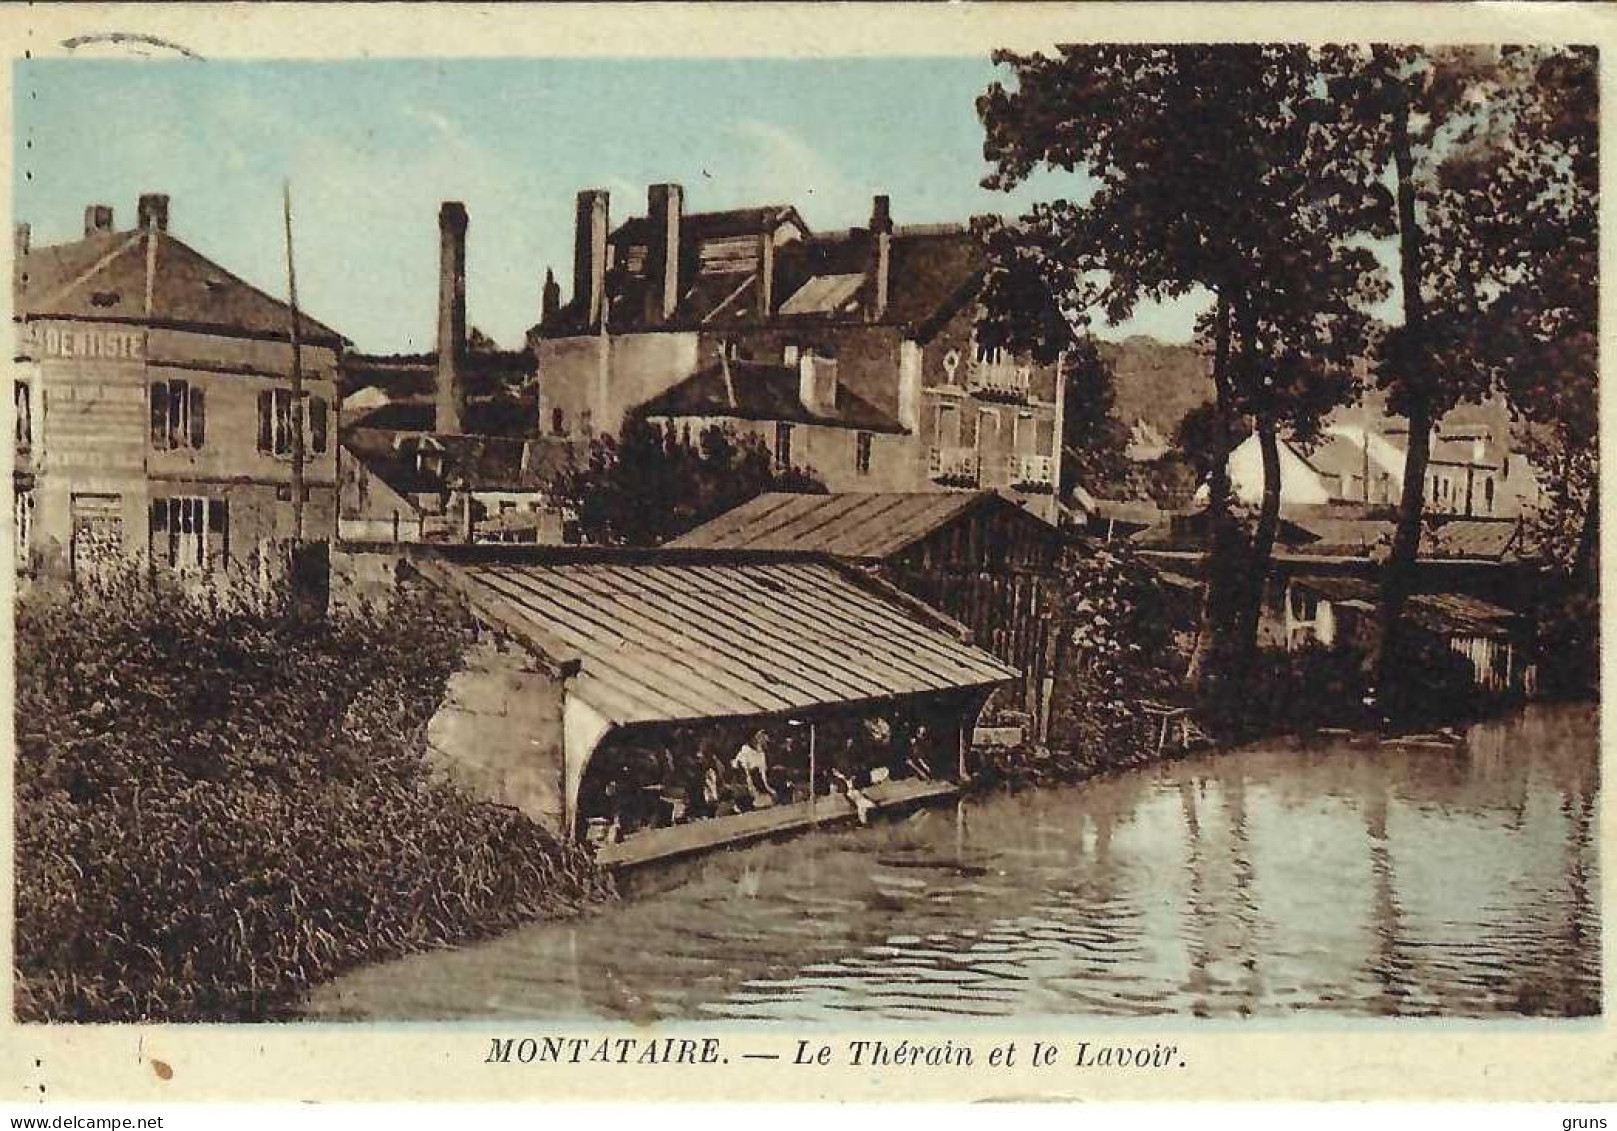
[(1353, 879)]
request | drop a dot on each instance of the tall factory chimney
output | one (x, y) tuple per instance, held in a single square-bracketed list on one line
[(665, 210), (589, 256), (881, 256), (451, 314)]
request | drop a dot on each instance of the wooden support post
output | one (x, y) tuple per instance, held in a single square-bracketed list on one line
[(813, 793)]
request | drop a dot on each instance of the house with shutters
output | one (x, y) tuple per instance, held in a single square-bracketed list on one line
[(853, 353), (154, 407)]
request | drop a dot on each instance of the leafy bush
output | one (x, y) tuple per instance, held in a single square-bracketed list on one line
[(651, 484), (1313, 687), (1118, 650), (221, 801)]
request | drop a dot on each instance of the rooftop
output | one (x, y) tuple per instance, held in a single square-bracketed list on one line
[(753, 390), (148, 277), (853, 526), (488, 463), (1315, 532), (665, 638), (932, 269), (1448, 614)]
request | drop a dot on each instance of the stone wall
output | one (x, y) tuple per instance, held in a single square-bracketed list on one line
[(498, 733)]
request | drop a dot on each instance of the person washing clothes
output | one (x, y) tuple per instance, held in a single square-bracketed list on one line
[(753, 763)]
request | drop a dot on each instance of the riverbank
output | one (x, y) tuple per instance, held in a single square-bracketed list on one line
[(220, 806), (1435, 885)]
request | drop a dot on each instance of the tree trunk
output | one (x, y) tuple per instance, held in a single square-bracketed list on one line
[(1218, 510), (1398, 576), (1586, 562), (1263, 543)]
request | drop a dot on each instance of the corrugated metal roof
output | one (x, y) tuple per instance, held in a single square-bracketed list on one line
[(870, 525), (660, 642)]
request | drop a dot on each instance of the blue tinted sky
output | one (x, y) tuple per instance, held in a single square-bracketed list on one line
[(372, 147)]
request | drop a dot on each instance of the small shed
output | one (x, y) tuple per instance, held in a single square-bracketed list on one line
[(588, 644), (974, 555), (1341, 610)]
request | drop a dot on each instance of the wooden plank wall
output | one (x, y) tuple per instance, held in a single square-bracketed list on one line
[(996, 575)]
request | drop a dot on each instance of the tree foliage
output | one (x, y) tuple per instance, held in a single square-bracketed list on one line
[(653, 483), (1492, 154), (1093, 438), (1212, 169)]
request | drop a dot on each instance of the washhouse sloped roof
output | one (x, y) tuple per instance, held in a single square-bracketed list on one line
[(867, 526), (665, 640)]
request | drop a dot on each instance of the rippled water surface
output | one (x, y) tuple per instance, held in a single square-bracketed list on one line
[(1354, 879)]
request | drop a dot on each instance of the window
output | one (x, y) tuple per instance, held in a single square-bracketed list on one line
[(861, 453), (318, 424), (586, 422), (25, 416), (783, 444), (23, 517), (1023, 433), (1304, 605), (558, 422), (1487, 494), (275, 417), (275, 421), (178, 416), (190, 532), (1304, 616), (790, 353), (948, 426)]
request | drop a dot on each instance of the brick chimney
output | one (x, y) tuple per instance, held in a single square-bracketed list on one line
[(152, 212), (766, 273), (665, 212), (97, 219), (451, 314), (589, 256), (881, 257), (549, 299)]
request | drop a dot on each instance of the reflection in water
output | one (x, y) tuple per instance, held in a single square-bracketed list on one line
[(1353, 879)]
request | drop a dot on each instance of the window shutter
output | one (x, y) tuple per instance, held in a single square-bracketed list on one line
[(160, 414), (266, 409), (198, 421), (317, 423), (160, 542), (219, 527), (176, 414)]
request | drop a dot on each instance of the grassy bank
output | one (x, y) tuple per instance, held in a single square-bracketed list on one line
[(219, 804)]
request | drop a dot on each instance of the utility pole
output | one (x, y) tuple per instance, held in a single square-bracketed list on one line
[(297, 377)]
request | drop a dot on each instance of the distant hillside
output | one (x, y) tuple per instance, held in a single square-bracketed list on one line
[(1158, 381)]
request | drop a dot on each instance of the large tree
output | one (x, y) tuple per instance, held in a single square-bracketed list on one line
[(1215, 169), (1527, 203), (1431, 119)]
